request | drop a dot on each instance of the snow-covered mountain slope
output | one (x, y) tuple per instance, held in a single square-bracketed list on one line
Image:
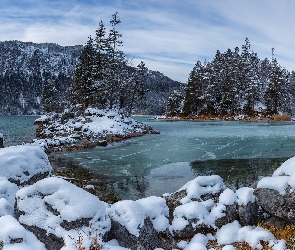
[(26, 66)]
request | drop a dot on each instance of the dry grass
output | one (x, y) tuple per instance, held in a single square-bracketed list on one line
[(283, 117), (94, 242), (286, 233)]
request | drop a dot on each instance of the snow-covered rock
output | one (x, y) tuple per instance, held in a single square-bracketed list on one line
[(200, 186), (93, 127), (275, 194), (53, 213), (136, 224), (233, 232), (15, 237), (55, 209), (24, 165)]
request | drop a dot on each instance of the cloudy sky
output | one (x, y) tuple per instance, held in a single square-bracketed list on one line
[(168, 35)]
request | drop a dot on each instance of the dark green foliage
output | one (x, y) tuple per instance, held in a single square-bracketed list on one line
[(104, 77), (236, 83), (26, 67), (49, 97)]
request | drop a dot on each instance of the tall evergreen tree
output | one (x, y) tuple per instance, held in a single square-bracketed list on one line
[(194, 91), (49, 97), (82, 91), (276, 94)]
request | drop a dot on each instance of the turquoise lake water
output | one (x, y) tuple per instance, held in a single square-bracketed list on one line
[(240, 152)]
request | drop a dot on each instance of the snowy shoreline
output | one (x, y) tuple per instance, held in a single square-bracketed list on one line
[(41, 211), (76, 129)]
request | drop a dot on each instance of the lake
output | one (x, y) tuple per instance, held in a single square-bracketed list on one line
[(240, 152)]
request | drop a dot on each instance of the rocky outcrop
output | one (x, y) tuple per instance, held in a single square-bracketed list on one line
[(51, 212), (277, 205), (76, 129), (24, 165), (148, 237), (53, 208)]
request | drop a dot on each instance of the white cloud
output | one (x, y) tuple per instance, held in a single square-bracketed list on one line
[(169, 35)]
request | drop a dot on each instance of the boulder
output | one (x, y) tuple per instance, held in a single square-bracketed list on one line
[(14, 236), (24, 165), (250, 214), (276, 204), (54, 209), (141, 224), (148, 237)]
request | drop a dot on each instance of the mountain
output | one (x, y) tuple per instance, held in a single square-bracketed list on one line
[(25, 67)]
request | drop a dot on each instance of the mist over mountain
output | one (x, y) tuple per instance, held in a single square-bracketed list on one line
[(25, 67)]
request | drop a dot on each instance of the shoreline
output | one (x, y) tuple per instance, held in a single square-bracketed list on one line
[(221, 119)]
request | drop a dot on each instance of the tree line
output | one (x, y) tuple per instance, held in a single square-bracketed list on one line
[(236, 82), (104, 76)]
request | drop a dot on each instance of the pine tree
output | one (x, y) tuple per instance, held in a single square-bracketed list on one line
[(103, 76), (82, 91), (276, 94), (175, 102), (49, 97), (249, 80), (116, 63), (137, 86), (194, 101)]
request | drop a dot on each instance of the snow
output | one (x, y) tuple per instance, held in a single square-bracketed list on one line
[(251, 235), (8, 190), (282, 177), (205, 212), (131, 214), (70, 203), (1, 135), (92, 123), (202, 185), (156, 209), (199, 241), (5, 207), (189, 211), (287, 168), (22, 162), (227, 197), (278, 183), (245, 195), (228, 247), (11, 229)]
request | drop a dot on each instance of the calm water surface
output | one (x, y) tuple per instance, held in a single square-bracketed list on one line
[(17, 129), (239, 152)]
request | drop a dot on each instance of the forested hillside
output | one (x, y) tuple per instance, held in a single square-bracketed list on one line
[(236, 82), (25, 68)]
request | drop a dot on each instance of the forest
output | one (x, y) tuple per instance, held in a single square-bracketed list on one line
[(236, 82)]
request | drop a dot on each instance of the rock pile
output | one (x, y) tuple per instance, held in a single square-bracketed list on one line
[(38, 211), (74, 129)]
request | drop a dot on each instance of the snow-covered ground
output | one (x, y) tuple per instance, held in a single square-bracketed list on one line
[(57, 206), (93, 125)]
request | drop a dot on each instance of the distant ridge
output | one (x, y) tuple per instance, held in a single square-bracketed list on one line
[(26, 66)]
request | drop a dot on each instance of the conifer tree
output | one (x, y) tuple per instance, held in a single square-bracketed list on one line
[(276, 94), (82, 91), (49, 97), (194, 91)]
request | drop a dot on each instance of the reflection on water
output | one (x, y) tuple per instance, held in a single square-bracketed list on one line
[(238, 172), (239, 152)]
